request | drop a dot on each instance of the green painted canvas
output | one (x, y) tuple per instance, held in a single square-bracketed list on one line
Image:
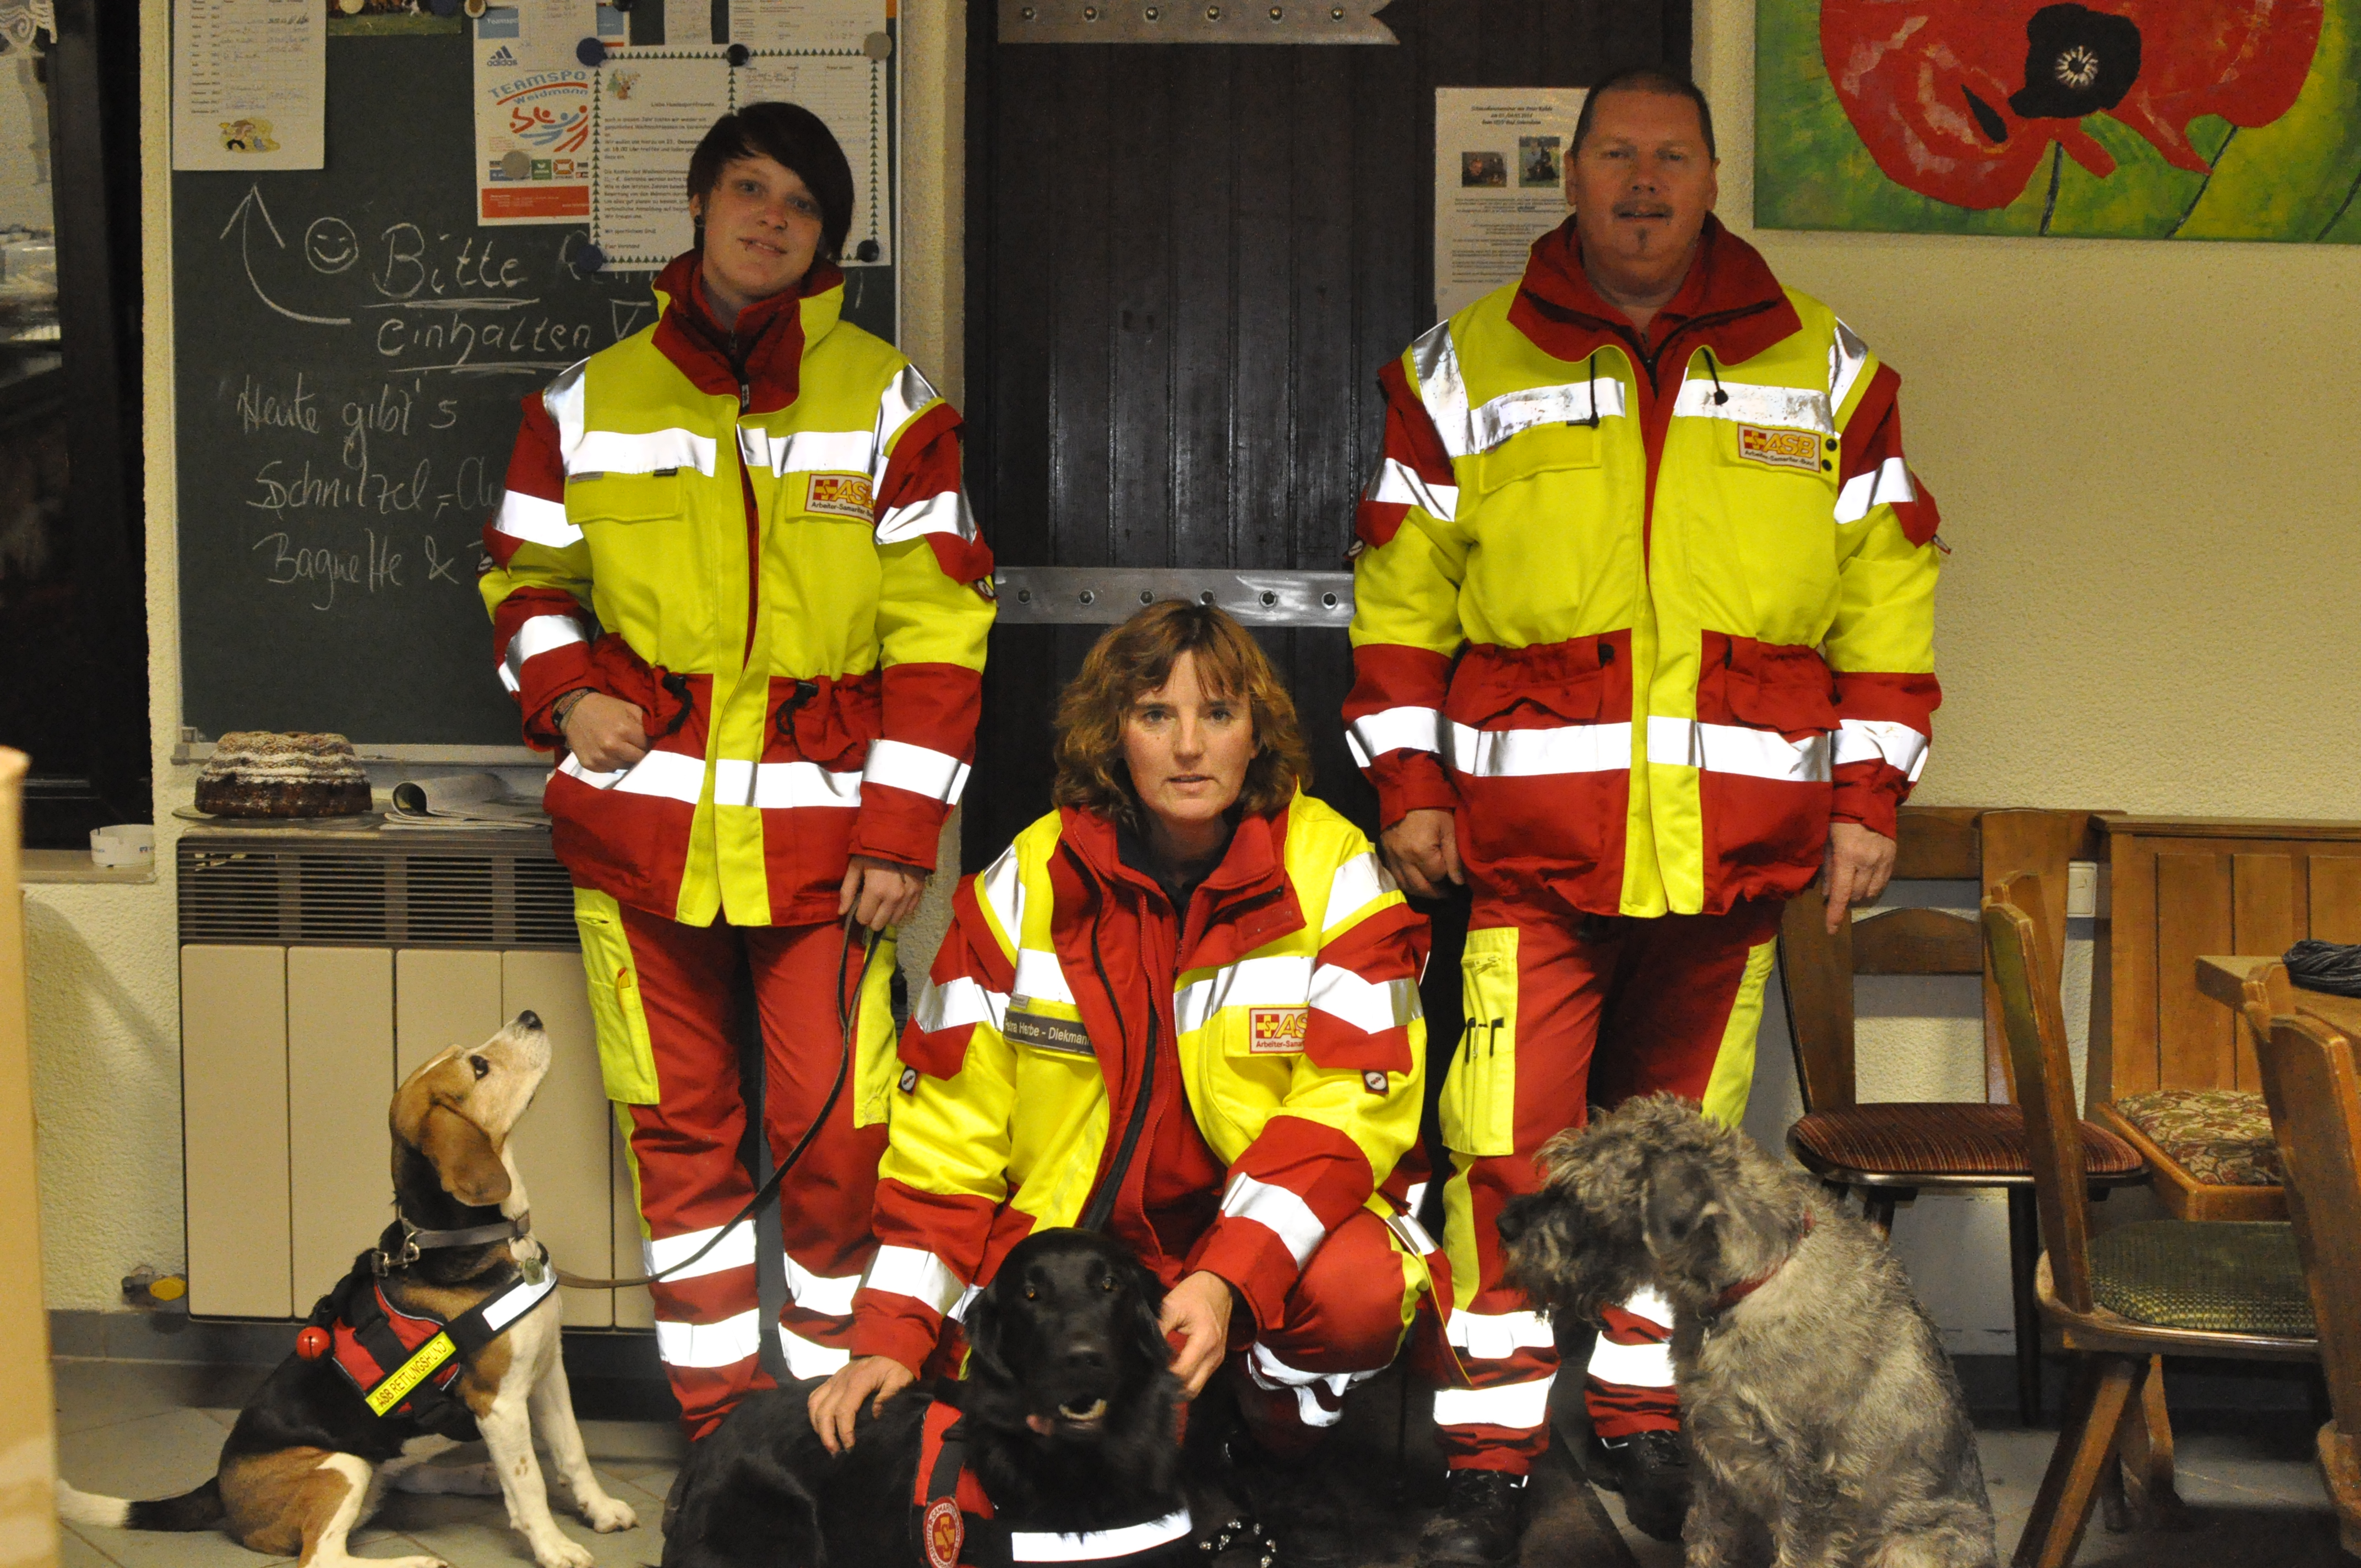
[(2126, 119)]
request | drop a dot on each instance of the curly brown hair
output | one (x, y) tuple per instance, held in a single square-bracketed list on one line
[(1137, 657)]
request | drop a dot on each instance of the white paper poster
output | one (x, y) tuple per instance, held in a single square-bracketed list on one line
[(805, 24), (533, 113), (653, 109), (1499, 183), (249, 84), (848, 96), (654, 106)]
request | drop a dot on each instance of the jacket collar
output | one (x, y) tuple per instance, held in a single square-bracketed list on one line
[(1241, 916), (1730, 302), (764, 353)]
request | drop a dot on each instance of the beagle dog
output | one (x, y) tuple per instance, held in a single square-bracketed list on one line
[(448, 1330)]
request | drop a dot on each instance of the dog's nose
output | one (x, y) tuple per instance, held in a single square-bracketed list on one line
[(528, 1019), (1087, 1355)]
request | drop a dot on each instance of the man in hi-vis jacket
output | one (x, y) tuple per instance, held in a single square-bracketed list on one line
[(1643, 641)]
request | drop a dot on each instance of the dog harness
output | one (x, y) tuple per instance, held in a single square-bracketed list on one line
[(403, 1364), (953, 1521)]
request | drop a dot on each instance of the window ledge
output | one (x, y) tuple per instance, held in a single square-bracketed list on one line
[(75, 865)]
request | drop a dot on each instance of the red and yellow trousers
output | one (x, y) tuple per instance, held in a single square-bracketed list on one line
[(685, 1149), (1565, 1012)]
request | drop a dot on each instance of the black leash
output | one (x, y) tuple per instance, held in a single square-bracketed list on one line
[(845, 1009)]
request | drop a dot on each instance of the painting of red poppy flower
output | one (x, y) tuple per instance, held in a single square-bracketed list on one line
[(2156, 119)]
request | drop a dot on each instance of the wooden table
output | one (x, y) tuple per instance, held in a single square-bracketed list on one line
[(2223, 977)]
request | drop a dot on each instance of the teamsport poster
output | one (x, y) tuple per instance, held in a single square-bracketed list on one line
[(2125, 120)]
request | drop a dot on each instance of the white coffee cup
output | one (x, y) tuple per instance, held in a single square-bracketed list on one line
[(123, 844)]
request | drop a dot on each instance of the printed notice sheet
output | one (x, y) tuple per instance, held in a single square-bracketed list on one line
[(848, 96), (533, 113), (805, 24), (249, 84), (651, 111), (1499, 183)]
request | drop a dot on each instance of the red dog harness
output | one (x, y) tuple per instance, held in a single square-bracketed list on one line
[(953, 1520)]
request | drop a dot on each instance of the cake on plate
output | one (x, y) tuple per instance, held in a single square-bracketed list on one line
[(254, 773)]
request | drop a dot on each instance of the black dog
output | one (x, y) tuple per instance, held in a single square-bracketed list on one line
[(1066, 1419)]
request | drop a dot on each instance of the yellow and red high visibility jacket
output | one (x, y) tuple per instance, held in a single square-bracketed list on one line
[(1287, 992), (1651, 610), (761, 539)]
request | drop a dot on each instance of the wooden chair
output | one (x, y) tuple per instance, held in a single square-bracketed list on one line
[(1888, 1152), (2121, 1299), (2315, 1100), (2212, 1149)]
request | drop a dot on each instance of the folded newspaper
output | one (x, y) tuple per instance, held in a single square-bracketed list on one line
[(463, 800)]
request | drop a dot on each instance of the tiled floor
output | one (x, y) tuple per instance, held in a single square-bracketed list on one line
[(150, 1429)]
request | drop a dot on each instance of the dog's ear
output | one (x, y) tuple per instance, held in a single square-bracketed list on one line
[(471, 1168), (1147, 1325), (986, 1337)]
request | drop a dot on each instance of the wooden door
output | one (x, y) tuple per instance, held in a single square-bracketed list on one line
[(1186, 264)]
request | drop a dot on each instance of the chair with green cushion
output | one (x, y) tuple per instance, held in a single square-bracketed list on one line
[(2160, 1287)]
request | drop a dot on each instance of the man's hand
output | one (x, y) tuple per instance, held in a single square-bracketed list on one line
[(605, 732), (1198, 1309), (879, 893), (836, 1404), (1855, 867), (1422, 852)]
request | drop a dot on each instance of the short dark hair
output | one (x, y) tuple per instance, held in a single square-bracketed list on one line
[(793, 137), (1659, 80)]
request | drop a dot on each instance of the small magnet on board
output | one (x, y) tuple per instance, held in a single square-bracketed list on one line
[(618, 5), (516, 165), (588, 259), (739, 54), (877, 45), (444, 8), (474, 7), (866, 250), (591, 52), (349, 7)]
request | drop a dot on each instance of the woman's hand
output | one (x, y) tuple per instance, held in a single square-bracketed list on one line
[(1198, 1309), (836, 1404), (879, 893), (605, 732)]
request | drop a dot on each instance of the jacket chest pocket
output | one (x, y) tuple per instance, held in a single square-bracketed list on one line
[(596, 498), (1535, 449)]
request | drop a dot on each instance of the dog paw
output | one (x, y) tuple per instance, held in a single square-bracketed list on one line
[(604, 1514), (556, 1552)]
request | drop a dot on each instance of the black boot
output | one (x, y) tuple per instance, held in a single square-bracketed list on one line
[(1290, 1503), (1652, 1470), (1482, 1517)]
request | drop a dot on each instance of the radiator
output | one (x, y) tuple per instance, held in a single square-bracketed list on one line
[(319, 966)]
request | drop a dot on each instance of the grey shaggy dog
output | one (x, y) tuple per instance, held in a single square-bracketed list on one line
[(1825, 1422)]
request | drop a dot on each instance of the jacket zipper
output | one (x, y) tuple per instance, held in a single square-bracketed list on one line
[(1101, 1207)]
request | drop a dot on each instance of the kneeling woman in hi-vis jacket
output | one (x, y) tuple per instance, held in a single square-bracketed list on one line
[(1183, 1008)]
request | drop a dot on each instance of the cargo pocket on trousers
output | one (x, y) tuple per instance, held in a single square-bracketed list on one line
[(875, 1066), (1479, 1093), (627, 1057)]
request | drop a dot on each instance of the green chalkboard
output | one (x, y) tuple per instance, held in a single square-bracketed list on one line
[(350, 353)]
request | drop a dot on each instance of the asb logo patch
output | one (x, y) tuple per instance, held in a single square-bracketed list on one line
[(945, 1531), (840, 495), (1780, 448), (1277, 1031)]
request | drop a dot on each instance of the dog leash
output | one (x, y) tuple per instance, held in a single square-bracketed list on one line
[(844, 1020)]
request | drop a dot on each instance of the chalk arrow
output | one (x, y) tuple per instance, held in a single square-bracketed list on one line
[(241, 218)]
